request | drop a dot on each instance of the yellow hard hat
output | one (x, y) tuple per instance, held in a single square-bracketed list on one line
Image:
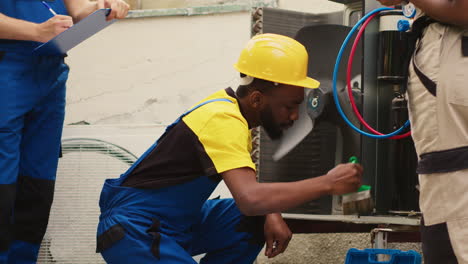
[(276, 58)]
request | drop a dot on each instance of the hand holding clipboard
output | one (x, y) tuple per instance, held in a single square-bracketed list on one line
[(76, 34)]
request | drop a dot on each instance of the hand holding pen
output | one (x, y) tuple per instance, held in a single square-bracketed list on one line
[(48, 7), (52, 27)]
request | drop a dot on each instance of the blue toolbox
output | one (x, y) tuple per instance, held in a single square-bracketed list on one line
[(356, 256)]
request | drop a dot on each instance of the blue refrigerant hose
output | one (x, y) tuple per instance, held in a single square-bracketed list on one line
[(335, 75)]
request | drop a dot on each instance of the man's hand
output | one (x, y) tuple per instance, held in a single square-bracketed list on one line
[(52, 27), (119, 9), (345, 178), (390, 2), (277, 235)]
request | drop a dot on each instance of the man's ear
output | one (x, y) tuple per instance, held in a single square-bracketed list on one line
[(256, 99)]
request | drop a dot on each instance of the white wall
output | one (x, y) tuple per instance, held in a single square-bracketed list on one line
[(148, 71), (148, 4), (311, 6)]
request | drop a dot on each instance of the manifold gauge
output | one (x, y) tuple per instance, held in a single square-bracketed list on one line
[(409, 10)]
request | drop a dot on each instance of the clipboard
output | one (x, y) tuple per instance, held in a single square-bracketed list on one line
[(78, 33)]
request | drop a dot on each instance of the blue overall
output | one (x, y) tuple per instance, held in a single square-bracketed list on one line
[(32, 102), (172, 224)]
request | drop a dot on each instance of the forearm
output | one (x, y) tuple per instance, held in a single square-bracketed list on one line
[(79, 9), (254, 198), (11, 28), (266, 198), (448, 11)]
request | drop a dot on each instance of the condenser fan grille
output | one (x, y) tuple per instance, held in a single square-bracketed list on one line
[(71, 234)]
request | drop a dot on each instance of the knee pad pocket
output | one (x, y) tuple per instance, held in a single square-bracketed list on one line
[(32, 207), (7, 198), (109, 237), (254, 226)]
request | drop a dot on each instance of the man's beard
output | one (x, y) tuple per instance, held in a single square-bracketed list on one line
[(273, 130)]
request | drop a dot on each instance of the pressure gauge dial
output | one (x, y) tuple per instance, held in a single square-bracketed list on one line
[(409, 10)]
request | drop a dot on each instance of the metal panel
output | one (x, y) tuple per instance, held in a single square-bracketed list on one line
[(390, 166), (317, 153), (312, 157), (288, 23)]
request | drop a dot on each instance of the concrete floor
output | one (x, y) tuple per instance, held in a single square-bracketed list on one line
[(326, 248)]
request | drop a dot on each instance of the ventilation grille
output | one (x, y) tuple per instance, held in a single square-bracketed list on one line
[(71, 234), (313, 157)]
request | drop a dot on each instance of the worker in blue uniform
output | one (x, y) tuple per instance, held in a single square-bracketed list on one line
[(158, 211), (32, 101)]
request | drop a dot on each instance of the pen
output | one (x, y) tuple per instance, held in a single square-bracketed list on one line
[(48, 7)]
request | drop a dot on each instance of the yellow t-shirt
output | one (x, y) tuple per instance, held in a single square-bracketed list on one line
[(210, 140)]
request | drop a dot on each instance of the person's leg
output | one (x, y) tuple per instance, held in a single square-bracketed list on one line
[(436, 244), (40, 147), (458, 233), (227, 236), (15, 101), (10, 138)]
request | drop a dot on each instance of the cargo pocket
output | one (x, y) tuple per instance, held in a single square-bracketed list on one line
[(153, 230), (109, 237), (458, 83)]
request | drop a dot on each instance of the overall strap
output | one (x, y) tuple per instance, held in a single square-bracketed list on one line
[(168, 128), (416, 33), (430, 85)]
